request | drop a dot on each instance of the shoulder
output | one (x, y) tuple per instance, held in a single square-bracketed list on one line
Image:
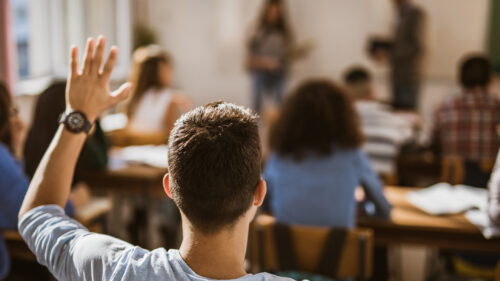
[(4, 151), (494, 100), (451, 103), (7, 160)]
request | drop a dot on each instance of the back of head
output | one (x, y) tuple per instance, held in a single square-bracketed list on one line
[(146, 61), (358, 80), (475, 71), (5, 111), (317, 117), (51, 103), (214, 162)]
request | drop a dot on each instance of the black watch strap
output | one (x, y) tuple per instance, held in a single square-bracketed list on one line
[(75, 122)]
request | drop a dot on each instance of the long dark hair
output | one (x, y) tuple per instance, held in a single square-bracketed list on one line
[(51, 103), (145, 73), (5, 111), (282, 25), (317, 117)]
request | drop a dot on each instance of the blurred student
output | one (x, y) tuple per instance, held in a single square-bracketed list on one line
[(269, 53), (406, 55), (49, 107), (154, 105), (317, 162), (13, 182), (465, 126), (384, 130), (214, 163)]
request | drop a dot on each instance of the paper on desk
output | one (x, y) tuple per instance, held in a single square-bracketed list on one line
[(481, 219), (443, 198), (114, 122), (152, 155)]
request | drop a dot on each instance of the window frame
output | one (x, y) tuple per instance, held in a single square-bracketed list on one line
[(59, 67)]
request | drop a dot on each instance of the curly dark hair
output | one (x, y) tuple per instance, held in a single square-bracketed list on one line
[(316, 117)]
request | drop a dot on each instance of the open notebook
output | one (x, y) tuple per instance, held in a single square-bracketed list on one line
[(151, 155), (445, 199)]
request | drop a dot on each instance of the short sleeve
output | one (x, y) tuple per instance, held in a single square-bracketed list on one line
[(68, 249)]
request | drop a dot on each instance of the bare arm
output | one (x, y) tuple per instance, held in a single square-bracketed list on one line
[(88, 92)]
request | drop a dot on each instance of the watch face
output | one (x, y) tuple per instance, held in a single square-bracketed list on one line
[(75, 121)]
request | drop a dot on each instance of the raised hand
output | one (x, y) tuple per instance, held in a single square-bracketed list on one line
[(88, 90)]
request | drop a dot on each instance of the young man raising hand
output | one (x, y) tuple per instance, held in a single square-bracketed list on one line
[(214, 178)]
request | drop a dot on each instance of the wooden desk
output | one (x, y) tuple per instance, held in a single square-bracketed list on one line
[(141, 184), (132, 179), (410, 225)]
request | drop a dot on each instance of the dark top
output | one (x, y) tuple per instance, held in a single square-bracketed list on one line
[(407, 46)]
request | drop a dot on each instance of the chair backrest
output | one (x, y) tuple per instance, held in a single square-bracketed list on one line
[(454, 170), (336, 253)]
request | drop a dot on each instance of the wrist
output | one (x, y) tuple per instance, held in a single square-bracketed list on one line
[(89, 114), (76, 121)]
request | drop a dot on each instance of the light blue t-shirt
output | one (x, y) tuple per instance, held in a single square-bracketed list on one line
[(319, 190), (71, 252)]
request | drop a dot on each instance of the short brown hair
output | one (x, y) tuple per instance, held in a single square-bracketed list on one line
[(214, 158), (316, 117)]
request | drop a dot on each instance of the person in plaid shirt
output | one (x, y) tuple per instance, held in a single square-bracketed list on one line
[(466, 125)]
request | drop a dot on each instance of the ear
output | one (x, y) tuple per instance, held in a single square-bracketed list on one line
[(166, 186), (260, 193)]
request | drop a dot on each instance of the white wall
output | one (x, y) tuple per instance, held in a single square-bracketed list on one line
[(206, 38)]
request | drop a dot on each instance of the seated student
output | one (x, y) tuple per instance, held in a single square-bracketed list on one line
[(316, 161), (50, 104), (13, 182), (465, 126), (384, 130), (214, 178), (154, 105)]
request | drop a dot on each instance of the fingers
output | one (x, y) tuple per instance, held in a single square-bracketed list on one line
[(110, 63), (99, 54), (120, 94), (89, 56), (73, 61)]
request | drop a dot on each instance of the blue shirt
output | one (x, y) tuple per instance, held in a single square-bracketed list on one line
[(71, 252), (13, 187), (319, 190)]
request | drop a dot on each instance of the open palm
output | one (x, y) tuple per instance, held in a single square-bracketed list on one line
[(88, 90)]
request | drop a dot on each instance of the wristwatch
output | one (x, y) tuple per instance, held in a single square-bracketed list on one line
[(75, 122)]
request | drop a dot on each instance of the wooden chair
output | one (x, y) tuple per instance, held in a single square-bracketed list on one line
[(335, 253), (453, 170)]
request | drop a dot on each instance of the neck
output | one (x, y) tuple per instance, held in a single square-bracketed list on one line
[(216, 256)]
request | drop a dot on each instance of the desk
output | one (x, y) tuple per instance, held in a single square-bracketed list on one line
[(409, 225), (131, 179), (138, 183)]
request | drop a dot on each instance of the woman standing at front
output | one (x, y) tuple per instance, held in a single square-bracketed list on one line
[(268, 53)]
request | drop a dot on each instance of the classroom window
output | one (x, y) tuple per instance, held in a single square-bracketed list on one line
[(43, 31)]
